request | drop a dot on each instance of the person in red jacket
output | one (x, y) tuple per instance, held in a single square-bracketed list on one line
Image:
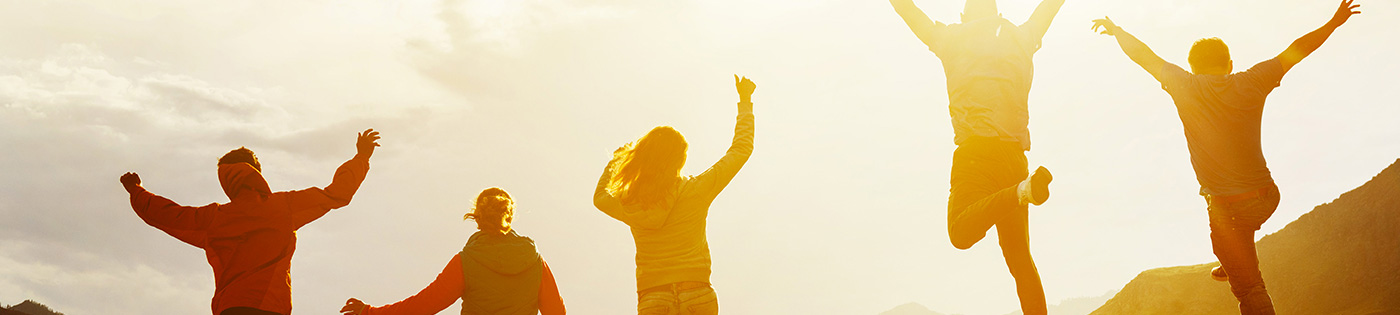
[(498, 271), (249, 241)]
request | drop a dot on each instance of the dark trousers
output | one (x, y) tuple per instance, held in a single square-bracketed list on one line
[(1232, 227), (244, 310), (983, 194)]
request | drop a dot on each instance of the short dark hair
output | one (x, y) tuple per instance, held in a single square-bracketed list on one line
[(1209, 53), (241, 155)]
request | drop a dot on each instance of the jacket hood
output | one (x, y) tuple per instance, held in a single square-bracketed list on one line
[(506, 254), (238, 176)]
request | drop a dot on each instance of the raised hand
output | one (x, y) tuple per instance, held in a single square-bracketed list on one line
[(354, 306), (1344, 12), (745, 88), (365, 143), (1109, 28), (131, 182)]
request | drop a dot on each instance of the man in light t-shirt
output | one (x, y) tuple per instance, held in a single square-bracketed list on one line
[(987, 60), (1220, 113)]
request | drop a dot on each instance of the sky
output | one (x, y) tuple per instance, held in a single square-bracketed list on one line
[(841, 209)]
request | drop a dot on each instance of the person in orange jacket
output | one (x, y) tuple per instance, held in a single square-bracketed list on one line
[(249, 241), (497, 272)]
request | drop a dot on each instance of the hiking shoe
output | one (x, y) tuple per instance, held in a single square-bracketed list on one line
[(1218, 274), (1036, 188)]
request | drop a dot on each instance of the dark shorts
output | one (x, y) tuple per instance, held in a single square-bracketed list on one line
[(1247, 214)]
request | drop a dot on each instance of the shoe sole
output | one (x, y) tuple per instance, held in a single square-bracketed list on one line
[(1040, 185)]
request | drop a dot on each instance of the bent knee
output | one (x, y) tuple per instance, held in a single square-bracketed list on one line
[(962, 242)]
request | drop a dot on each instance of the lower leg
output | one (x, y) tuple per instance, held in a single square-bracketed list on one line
[(1014, 237), (1240, 261)]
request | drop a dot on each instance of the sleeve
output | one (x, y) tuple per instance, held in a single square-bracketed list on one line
[(550, 301), (612, 206), (1029, 40), (309, 204), (188, 224), (1171, 76), (1266, 75), (939, 34), (714, 179), (440, 294)]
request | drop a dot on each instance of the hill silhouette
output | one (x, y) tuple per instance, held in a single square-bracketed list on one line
[(1073, 306), (28, 307), (1343, 257), (910, 309)]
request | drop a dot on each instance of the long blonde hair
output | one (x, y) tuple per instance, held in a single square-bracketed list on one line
[(645, 172), (494, 210)]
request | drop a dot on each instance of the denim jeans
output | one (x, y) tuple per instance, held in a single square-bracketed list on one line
[(983, 195), (1232, 227), (696, 301)]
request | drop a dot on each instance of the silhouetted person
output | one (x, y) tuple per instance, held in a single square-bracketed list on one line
[(987, 60), (1221, 114), (497, 272), (643, 187), (249, 241)]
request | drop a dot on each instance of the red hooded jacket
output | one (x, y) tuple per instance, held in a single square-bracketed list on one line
[(249, 241)]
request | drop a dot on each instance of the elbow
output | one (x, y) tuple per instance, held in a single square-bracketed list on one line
[(597, 203)]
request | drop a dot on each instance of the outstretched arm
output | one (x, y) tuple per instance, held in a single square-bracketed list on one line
[(923, 27), (1136, 50), (188, 224), (437, 296), (1305, 45), (1040, 20), (310, 204)]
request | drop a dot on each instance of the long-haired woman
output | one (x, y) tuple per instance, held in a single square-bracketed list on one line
[(497, 272), (643, 187)]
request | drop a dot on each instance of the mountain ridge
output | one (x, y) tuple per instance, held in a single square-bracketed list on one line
[(1343, 257)]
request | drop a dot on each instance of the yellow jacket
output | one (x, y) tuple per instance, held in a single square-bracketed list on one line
[(670, 237)]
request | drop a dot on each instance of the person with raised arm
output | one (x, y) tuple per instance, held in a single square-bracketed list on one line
[(497, 272), (1221, 113), (643, 187), (987, 61), (249, 241)]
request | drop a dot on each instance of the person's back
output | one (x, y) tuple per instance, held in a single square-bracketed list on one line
[(642, 186), (1221, 117), (498, 272), (502, 273), (249, 241), (988, 66), (1221, 112), (677, 250)]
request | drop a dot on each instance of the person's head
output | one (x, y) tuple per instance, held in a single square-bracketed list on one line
[(241, 155), (979, 9), (1211, 56), (493, 210), (646, 170)]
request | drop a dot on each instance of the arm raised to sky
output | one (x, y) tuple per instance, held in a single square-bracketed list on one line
[(1136, 50), (1305, 45), (718, 176), (309, 204), (923, 27), (1039, 22)]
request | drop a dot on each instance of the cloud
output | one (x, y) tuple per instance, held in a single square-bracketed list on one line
[(75, 119), (61, 276)]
